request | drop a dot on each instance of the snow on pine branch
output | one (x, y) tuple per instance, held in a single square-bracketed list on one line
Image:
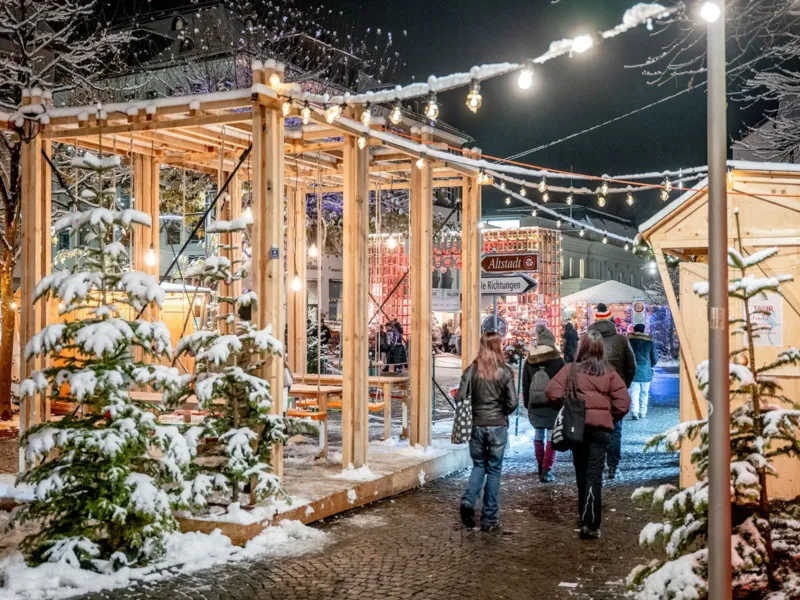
[(239, 224), (747, 286), (738, 373), (101, 216), (738, 261), (92, 162)]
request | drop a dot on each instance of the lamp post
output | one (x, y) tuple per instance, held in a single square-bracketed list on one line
[(719, 512)]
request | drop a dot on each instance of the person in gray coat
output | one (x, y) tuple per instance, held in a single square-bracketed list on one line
[(619, 355)]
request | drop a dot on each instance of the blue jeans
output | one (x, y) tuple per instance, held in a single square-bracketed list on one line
[(486, 447)]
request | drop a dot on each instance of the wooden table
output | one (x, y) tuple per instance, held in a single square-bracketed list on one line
[(387, 383), (321, 394)]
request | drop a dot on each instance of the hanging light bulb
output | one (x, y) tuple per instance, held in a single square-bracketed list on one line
[(286, 108), (508, 200), (313, 251), (668, 185), (535, 212), (604, 188), (362, 142), (558, 223), (474, 98), (247, 213), (150, 257), (605, 238), (582, 43), (710, 11), (523, 192), (503, 185), (583, 232), (546, 197), (396, 116), (305, 114), (391, 242), (332, 113), (629, 199), (421, 163), (432, 108), (13, 305), (297, 283), (525, 79), (61, 306), (626, 246), (543, 185), (601, 200), (366, 116), (274, 80), (664, 195), (569, 200)]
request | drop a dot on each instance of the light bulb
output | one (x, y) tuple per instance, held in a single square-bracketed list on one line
[(391, 243), (583, 232), (523, 192), (362, 142), (274, 80), (569, 200), (543, 185), (629, 199), (601, 201), (313, 252), (305, 114), (664, 195), (535, 212), (558, 223), (546, 197), (605, 238), (150, 257), (366, 116), (13, 305), (668, 185), (525, 80), (626, 246), (420, 162), (332, 113), (61, 306), (286, 108), (474, 98), (481, 225), (503, 185), (710, 12), (508, 200), (604, 188), (247, 214), (432, 108), (582, 43), (297, 283), (396, 116)]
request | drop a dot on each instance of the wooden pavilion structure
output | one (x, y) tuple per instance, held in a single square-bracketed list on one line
[(245, 134), (766, 199)]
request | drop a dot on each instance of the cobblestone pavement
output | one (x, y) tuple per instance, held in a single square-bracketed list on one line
[(413, 546)]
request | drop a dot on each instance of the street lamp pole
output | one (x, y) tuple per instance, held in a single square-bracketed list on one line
[(719, 511)]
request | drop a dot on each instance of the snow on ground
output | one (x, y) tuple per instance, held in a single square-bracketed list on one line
[(263, 511), (360, 474), (186, 553), (364, 520)]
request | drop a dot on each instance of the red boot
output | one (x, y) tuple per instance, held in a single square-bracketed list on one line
[(547, 463), (538, 449)]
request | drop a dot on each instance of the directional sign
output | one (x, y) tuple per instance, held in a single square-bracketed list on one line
[(507, 285), (510, 263)]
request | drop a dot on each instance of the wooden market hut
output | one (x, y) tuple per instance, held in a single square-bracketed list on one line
[(766, 197), (243, 135)]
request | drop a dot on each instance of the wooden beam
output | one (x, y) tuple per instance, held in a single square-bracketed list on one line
[(420, 343), (471, 246), (230, 245), (267, 263), (355, 332), (297, 312)]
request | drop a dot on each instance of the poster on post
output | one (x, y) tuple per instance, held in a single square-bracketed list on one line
[(766, 313)]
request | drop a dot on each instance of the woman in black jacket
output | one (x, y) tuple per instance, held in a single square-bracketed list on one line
[(543, 363), (491, 387)]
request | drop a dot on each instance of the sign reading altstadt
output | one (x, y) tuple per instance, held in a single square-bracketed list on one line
[(510, 263)]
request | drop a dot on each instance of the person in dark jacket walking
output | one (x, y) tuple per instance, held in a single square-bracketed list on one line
[(619, 355), (543, 362), (606, 400), (646, 358), (570, 338), (494, 397)]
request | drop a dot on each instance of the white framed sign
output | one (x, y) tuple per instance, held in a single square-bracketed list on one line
[(766, 313)]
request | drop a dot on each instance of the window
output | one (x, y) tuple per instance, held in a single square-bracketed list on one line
[(173, 230), (581, 268), (633, 280), (334, 299), (621, 277), (63, 240), (610, 275), (570, 266)]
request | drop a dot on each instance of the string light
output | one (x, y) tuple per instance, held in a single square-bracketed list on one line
[(629, 199), (664, 195), (546, 197), (482, 177), (366, 116), (569, 199), (297, 284), (274, 80), (601, 200), (286, 108), (420, 162), (653, 268), (474, 98), (396, 116), (582, 43), (525, 79), (604, 188), (508, 200), (503, 185), (332, 113), (61, 306), (523, 192), (150, 257), (535, 212), (247, 213), (313, 251), (583, 232), (543, 185), (626, 246), (668, 185), (710, 12), (305, 114), (13, 305), (558, 223), (432, 108), (605, 238), (362, 142), (391, 242)]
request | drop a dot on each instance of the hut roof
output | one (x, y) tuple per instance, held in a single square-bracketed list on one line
[(608, 292)]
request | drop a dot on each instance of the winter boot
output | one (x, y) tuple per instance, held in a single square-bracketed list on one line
[(467, 516), (589, 534), (538, 448), (547, 476)]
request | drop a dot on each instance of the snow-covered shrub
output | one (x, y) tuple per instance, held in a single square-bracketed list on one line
[(765, 538), (106, 476)]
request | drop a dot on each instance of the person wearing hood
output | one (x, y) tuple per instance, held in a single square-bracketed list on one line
[(646, 358), (570, 338), (543, 363), (619, 355)]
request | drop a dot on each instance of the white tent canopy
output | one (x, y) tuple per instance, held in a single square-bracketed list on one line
[(608, 292)]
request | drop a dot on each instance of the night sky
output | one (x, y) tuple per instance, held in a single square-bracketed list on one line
[(568, 95)]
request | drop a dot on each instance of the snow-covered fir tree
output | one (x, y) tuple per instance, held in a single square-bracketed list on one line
[(766, 536), (236, 438), (106, 477)]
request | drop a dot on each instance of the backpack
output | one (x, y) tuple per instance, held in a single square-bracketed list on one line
[(539, 383)]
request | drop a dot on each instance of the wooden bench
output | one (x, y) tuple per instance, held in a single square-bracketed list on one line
[(388, 385), (310, 397)]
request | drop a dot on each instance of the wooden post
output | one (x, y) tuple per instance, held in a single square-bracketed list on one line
[(267, 263), (297, 313), (355, 333), (230, 245), (420, 342), (146, 198), (471, 246)]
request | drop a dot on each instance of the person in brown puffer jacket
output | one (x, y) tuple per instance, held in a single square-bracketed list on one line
[(606, 400)]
